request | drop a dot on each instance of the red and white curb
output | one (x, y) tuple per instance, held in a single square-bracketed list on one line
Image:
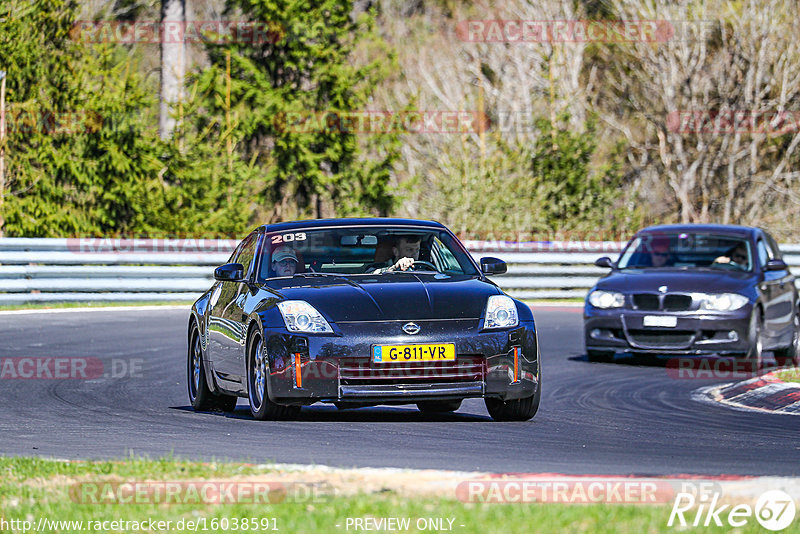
[(541, 487), (765, 393)]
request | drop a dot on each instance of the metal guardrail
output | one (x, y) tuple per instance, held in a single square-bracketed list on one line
[(62, 270)]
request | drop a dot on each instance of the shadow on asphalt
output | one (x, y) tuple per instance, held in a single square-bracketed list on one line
[(373, 414), (652, 360), (626, 359)]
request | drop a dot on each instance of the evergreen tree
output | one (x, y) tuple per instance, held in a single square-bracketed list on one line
[(79, 160), (304, 69), (574, 193)]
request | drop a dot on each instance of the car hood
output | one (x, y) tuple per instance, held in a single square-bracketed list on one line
[(677, 280), (397, 296)]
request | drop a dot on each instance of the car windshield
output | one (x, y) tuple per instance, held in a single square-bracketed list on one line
[(359, 250), (687, 250)]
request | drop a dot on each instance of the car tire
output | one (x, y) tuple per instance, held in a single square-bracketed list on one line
[(514, 410), (790, 356), (601, 356), (200, 395), (439, 406), (754, 357), (261, 406)]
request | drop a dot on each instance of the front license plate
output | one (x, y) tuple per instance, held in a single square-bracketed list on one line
[(660, 320), (437, 352)]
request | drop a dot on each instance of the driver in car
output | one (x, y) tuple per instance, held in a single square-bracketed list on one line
[(735, 257), (660, 255), (405, 252)]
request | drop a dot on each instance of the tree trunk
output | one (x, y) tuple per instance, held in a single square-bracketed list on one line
[(173, 20)]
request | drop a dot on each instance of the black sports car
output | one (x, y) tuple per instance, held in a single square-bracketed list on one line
[(359, 312), (695, 290)]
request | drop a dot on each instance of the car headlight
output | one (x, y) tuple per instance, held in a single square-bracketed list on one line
[(300, 316), (723, 302), (606, 299), (501, 312)]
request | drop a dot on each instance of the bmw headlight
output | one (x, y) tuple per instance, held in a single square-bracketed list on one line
[(723, 302), (501, 312), (606, 299), (300, 316)]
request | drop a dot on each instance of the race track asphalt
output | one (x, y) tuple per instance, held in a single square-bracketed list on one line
[(595, 418)]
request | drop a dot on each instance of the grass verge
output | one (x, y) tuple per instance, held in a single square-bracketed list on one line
[(789, 375), (32, 489)]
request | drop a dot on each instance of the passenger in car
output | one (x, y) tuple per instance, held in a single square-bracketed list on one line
[(736, 256), (284, 261)]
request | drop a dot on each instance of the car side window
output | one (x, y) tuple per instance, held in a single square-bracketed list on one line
[(235, 253), (247, 253), (772, 248), (443, 258), (763, 254)]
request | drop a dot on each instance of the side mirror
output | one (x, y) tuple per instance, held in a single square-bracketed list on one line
[(605, 261), (775, 265), (493, 266), (230, 272)]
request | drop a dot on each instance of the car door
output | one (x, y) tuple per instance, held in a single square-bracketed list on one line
[(782, 288), (217, 329), (769, 285), (237, 314), (226, 336)]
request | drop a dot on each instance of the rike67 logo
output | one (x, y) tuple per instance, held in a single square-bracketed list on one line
[(774, 510)]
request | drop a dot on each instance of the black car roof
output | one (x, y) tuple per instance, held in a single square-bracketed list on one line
[(731, 229), (369, 221)]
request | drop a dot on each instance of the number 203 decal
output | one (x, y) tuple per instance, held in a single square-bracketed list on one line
[(288, 238)]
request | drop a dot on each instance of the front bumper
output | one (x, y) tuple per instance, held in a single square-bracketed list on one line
[(694, 333), (501, 364)]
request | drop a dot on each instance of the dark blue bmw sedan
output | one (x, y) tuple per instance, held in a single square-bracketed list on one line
[(359, 312), (695, 290)]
